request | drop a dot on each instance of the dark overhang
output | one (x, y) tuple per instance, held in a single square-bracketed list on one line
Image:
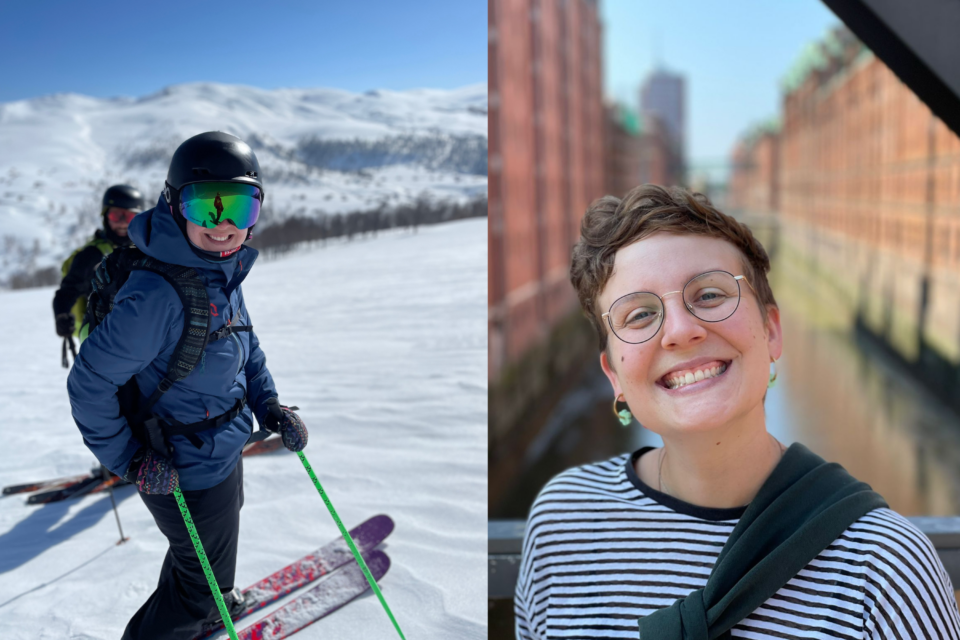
[(919, 40)]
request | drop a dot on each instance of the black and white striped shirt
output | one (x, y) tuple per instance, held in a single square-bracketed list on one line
[(603, 549)]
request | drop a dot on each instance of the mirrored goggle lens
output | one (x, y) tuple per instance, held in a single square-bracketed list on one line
[(121, 216), (209, 203)]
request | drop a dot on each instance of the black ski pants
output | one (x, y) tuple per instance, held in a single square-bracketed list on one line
[(182, 601)]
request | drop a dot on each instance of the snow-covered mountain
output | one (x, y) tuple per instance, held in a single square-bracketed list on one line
[(322, 151)]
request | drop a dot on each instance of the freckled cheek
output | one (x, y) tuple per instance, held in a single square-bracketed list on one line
[(634, 366)]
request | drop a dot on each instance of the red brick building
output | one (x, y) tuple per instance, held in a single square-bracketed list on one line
[(868, 183), (754, 180), (546, 163)]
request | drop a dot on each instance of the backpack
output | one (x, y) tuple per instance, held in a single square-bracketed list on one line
[(111, 274)]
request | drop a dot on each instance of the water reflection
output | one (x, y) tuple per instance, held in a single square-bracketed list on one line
[(847, 401)]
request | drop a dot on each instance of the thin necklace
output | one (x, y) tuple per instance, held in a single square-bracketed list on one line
[(663, 454)]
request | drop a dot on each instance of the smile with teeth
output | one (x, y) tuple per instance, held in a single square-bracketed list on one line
[(220, 238), (682, 379)]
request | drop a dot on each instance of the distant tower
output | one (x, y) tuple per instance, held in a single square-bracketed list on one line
[(663, 96)]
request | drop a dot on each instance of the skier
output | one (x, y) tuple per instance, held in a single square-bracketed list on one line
[(206, 418), (121, 203)]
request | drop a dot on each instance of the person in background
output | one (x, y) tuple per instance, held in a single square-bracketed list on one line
[(723, 531), (121, 203)]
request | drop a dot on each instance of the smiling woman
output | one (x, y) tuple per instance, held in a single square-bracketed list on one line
[(723, 531)]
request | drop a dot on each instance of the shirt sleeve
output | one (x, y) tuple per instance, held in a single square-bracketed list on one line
[(522, 599), (146, 310), (908, 593)]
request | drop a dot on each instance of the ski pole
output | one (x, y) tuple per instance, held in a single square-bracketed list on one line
[(346, 536), (106, 474), (68, 340), (207, 571)]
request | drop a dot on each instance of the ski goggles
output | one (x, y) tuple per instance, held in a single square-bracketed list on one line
[(120, 215), (207, 204)]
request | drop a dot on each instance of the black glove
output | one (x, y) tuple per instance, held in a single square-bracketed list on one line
[(283, 420), (152, 473), (65, 324)]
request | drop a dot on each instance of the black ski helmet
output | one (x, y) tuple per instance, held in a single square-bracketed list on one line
[(125, 197), (213, 156)]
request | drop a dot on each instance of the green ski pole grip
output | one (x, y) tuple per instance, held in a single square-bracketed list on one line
[(211, 580), (346, 536)]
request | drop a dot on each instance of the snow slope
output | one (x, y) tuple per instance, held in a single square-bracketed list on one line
[(321, 151), (386, 358)]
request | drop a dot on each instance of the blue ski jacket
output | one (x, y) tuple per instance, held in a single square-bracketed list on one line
[(138, 337)]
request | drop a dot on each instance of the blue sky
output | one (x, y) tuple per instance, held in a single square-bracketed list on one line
[(733, 54), (129, 48)]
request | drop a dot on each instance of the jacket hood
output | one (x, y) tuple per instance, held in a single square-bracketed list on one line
[(156, 233)]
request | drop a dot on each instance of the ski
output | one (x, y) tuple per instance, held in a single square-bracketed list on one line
[(43, 484), (78, 486), (114, 481), (324, 560), (263, 446), (341, 588), (76, 489)]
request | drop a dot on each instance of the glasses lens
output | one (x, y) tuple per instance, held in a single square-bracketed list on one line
[(712, 296), (120, 215), (636, 317), (209, 203)]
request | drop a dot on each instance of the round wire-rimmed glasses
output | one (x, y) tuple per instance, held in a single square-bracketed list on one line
[(713, 296)]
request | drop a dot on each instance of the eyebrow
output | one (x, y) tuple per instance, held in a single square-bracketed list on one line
[(693, 275)]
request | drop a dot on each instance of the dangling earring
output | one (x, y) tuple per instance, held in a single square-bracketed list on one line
[(773, 376), (624, 415)]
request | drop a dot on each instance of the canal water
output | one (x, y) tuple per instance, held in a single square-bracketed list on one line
[(837, 393)]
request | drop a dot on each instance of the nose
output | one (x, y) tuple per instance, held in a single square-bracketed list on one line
[(680, 327)]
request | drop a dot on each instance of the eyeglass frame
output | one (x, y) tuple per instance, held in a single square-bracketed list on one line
[(663, 305)]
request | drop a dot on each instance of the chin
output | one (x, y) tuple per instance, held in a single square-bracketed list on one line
[(696, 423)]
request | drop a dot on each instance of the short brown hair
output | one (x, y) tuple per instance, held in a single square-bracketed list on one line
[(611, 224)]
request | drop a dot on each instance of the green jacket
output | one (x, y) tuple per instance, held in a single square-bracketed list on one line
[(77, 270)]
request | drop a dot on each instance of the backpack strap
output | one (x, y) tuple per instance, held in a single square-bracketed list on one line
[(154, 432), (109, 277), (196, 323), (230, 327)]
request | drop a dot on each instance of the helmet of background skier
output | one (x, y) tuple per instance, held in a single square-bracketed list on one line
[(125, 197)]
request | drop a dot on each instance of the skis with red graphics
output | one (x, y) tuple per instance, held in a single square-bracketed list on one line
[(327, 559), (344, 586)]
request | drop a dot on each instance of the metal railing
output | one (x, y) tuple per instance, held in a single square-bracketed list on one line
[(505, 540)]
